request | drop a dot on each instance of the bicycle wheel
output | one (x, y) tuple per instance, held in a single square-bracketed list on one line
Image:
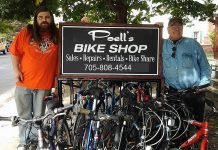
[(63, 139), (112, 136), (78, 131), (184, 130)]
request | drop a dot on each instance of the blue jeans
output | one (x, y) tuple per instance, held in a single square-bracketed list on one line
[(29, 103)]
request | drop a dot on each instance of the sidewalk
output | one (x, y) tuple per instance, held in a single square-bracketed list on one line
[(8, 134), (6, 97)]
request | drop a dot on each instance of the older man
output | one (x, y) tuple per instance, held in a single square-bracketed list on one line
[(185, 65)]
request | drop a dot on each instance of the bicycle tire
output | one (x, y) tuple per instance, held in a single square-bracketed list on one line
[(77, 131), (111, 136), (63, 135), (186, 130)]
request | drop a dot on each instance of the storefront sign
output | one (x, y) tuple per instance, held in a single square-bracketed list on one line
[(109, 50)]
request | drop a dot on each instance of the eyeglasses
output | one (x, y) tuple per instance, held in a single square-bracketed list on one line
[(173, 52)]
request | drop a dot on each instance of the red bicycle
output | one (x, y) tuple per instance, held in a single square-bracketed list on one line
[(202, 133)]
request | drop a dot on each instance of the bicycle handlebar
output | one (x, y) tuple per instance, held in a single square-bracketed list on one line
[(7, 118), (188, 90), (16, 120), (61, 109), (196, 88)]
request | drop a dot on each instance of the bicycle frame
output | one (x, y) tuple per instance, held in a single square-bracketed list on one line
[(48, 134), (90, 128), (202, 133)]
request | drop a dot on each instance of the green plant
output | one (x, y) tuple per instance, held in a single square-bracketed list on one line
[(9, 28), (212, 37), (210, 54)]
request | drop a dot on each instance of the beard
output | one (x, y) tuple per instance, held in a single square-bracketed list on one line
[(44, 26)]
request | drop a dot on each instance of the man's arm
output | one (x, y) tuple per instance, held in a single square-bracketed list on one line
[(16, 67), (205, 69)]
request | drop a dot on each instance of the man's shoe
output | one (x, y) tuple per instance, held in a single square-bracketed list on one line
[(21, 147), (33, 147)]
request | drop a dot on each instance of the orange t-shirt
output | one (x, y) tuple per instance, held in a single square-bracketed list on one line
[(38, 62)]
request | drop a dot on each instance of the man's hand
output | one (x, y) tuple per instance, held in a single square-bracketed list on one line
[(202, 90), (18, 76), (85, 20), (161, 24), (16, 67), (166, 89)]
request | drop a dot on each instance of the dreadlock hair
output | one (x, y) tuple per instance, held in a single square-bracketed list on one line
[(35, 31)]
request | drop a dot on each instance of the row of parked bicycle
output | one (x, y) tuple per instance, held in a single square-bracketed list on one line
[(107, 115)]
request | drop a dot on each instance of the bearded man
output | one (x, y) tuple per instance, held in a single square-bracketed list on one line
[(34, 54)]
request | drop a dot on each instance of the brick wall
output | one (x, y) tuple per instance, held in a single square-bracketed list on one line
[(216, 38), (207, 48)]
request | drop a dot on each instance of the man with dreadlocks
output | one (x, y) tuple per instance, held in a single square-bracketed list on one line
[(34, 54)]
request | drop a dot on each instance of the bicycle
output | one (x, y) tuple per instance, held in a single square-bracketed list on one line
[(186, 128), (146, 123), (202, 133), (87, 130), (144, 128), (173, 111), (52, 129)]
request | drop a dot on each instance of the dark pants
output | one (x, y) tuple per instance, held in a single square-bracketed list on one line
[(196, 104)]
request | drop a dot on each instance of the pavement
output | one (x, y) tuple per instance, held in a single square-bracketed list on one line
[(7, 81), (8, 134), (6, 96)]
